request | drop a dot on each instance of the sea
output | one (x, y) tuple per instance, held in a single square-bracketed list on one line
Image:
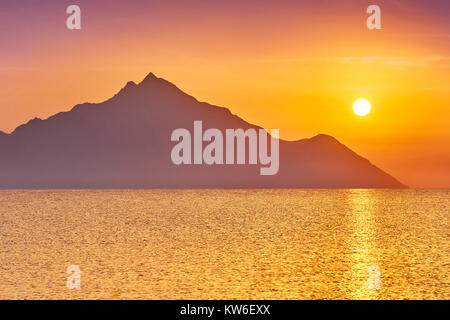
[(225, 244)]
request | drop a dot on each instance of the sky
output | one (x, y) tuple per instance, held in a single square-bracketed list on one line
[(297, 66)]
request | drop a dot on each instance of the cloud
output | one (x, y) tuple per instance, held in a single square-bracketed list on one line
[(421, 61), (439, 35)]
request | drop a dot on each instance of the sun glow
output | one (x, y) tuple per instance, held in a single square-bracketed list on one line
[(361, 107)]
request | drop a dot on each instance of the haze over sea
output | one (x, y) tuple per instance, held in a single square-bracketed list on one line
[(225, 244)]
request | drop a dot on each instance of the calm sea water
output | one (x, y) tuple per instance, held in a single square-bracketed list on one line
[(225, 244)]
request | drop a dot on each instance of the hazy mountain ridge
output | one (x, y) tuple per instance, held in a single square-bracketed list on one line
[(124, 142)]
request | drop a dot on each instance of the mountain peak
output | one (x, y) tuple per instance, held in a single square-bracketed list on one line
[(153, 81), (324, 137), (162, 88), (149, 78), (130, 84)]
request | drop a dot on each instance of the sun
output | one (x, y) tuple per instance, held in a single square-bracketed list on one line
[(361, 107)]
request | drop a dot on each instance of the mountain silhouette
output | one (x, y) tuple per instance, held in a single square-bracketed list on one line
[(124, 142)]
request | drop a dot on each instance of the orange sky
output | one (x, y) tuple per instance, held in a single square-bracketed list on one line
[(295, 65)]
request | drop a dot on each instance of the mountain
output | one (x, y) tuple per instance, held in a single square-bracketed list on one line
[(124, 142)]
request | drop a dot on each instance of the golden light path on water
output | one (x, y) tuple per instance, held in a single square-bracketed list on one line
[(362, 244)]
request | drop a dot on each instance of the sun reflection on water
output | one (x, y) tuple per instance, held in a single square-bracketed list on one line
[(363, 244)]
